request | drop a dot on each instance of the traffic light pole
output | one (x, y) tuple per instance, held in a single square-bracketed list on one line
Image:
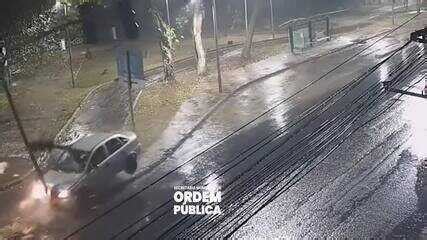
[(130, 89)]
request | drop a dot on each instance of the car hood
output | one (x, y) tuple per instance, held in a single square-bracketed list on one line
[(61, 179)]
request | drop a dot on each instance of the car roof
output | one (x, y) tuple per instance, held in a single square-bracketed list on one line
[(89, 142)]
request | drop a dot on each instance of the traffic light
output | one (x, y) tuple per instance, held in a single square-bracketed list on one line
[(128, 18)]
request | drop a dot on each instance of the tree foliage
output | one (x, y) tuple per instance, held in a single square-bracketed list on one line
[(197, 35), (247, 47), (34, 34), (168, 38), (81, 2), (18, 13)]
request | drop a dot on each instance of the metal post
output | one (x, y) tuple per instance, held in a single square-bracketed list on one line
[(218, 67), (168, 12), (310, 32), (130, 89), (291, 37), (392, 10), (21, 130), (246, 16), (328, 28), (70, 62), (272, 18)]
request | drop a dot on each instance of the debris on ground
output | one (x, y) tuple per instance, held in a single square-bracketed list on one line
[(3, 167), (18, 230)]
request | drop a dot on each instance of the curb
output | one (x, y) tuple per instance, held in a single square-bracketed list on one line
[(13, 183), (79, 108)]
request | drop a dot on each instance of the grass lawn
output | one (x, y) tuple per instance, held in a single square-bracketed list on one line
[(158, 105), (3, 102)]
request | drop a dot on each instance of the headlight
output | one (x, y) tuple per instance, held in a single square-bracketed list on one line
[(64, 194), (38, 191)]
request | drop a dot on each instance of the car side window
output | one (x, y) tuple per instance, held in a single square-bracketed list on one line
[(98, 156), (113, 145), (124, 140)]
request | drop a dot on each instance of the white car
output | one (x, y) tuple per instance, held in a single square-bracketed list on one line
[(90, 163)]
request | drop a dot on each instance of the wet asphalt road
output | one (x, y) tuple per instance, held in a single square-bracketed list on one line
[(340, 159)]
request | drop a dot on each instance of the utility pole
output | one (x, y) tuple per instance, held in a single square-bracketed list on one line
[(291, 37), (310, 32), (20, 127), (392, 10), (168, 12), (216, 45), (246, 15), (130, 89), (70, 62), (328, 28), (418, 6), (272, 18)]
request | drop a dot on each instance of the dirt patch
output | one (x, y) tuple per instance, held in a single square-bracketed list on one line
[(3, 102)]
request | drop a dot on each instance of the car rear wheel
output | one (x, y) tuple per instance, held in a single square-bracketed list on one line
[(131, 164)]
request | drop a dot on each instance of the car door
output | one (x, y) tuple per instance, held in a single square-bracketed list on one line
[(117, 157), (99, 169)]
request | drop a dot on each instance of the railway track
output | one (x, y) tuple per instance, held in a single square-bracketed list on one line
[(188, 63)]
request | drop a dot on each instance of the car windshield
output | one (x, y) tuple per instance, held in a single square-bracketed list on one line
[(71, 162)]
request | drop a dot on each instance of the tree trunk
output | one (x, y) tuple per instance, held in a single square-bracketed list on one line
[(246, 52), (197, 34)]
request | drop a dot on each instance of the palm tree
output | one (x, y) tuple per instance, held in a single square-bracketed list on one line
[(246, 51)]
